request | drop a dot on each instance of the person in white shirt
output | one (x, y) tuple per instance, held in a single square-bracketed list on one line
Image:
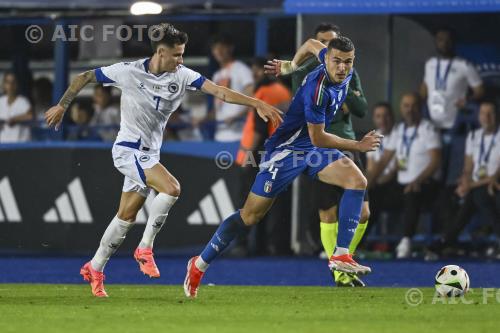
[(15, 112), (106, 114), (445, 86), (482, 161), (417, 147), (235, 75), (384, 189), (152, 89), (447, 79)]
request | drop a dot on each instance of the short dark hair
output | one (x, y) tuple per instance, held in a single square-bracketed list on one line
[(447, 29), (166, 33), (324, 27), (385, 105), (341, 43), (221, 39)]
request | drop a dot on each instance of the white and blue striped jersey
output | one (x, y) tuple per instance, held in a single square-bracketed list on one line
[(147, 99)]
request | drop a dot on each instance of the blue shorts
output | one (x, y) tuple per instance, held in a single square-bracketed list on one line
[(280, 167)]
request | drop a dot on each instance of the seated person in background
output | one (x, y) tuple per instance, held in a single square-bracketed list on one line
[(106, 114), (42, 99), (417, 147), (81, 115), (383, 189), (15, 112), (482, 160)]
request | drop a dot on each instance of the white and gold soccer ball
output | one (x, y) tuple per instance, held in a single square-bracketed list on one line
[(452, 281)]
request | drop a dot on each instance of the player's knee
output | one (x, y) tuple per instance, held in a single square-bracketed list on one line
[(175, 190), (250, 218), (328, 216), (127, 216), (172, 188), (357, 182)]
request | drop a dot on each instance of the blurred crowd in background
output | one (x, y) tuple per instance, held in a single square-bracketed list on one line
[(437, 173)]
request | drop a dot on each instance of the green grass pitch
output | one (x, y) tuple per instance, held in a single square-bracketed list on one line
[(133, 308)]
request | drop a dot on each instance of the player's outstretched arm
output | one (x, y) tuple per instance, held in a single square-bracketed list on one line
[(55, 114), (311, 47), (265, 111), (322, 139)]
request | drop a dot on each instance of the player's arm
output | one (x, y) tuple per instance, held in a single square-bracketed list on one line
[(311, 47), (322, 139), (265, 111), (248, 91), (55, 114)]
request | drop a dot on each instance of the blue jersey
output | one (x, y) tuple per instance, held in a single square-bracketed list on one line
[(316, 102)]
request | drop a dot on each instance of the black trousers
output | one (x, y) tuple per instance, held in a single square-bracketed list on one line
[(384, 198), (477, 200), (414, 203)]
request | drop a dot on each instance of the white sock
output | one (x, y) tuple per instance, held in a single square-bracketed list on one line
[(340, 251), (113, 237), (157, 215), (201, 264)]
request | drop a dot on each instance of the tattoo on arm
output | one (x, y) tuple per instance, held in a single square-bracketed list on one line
[(76, 85)]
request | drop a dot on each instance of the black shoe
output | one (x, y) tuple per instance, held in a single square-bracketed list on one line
[(356, 281)]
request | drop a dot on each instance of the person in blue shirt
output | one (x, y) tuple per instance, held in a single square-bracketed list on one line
[(301, 145)]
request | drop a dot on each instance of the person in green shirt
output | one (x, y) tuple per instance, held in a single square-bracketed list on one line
[(329, 196)]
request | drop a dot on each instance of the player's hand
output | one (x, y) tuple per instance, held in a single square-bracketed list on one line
[(370, 142), (54, 116), (268, 112), (279, 67)]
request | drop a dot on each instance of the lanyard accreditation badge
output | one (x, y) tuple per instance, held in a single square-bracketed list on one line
[(484, 156), (437, 96), (405, 149)]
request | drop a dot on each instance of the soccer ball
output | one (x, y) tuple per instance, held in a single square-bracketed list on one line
[(452, 281)]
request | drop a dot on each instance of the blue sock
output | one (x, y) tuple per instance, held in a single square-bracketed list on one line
[(227, 231), (349, 215)]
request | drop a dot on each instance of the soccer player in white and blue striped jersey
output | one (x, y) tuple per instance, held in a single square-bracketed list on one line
[(152, 89)]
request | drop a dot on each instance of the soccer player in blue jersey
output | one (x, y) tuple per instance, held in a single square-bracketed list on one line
[(152, 89), (301, 145)]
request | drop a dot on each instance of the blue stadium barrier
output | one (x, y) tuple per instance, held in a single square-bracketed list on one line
[(252, 271), (208, 149)]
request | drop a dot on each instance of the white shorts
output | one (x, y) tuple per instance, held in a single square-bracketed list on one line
[(131, 163)]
